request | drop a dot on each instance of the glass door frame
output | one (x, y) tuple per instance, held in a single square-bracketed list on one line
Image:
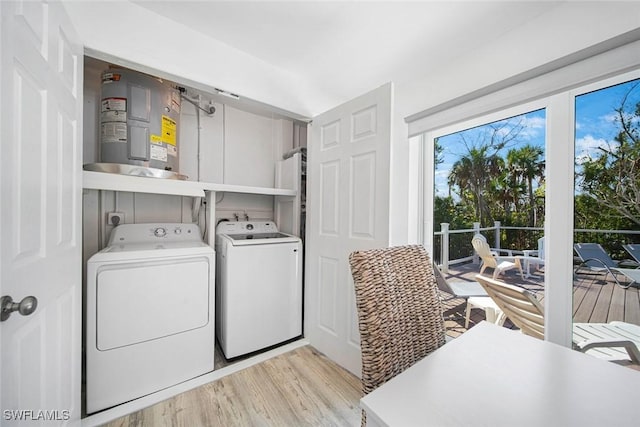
[(559, 197)]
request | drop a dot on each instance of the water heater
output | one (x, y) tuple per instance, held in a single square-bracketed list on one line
[(139, 119)]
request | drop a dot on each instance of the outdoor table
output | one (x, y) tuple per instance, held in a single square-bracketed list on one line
[(527, 261)]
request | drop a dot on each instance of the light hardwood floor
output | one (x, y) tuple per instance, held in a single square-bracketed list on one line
[(298, 388)]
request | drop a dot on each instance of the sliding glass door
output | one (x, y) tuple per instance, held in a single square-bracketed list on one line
[(489, 179), (565, 168), (607, 211)]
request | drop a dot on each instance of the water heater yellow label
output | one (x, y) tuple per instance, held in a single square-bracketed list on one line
[(169, 128)]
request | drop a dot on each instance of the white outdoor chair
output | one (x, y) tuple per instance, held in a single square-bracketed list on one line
[(474, 295), (489, 259), (531, 257), (496, 251), (610, 341), (595, 259)]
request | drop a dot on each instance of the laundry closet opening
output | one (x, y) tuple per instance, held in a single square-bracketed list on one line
[(238, 162)]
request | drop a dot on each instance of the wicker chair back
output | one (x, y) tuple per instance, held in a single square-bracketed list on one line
[(399, 311)]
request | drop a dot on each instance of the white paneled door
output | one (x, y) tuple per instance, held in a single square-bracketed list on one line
[(40, 209), (347, 210)]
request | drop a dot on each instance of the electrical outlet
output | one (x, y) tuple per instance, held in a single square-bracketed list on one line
[(115, 218)]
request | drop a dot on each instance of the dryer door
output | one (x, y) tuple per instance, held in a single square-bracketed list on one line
[(146, 300)]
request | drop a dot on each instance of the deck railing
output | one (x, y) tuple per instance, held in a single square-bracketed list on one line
[(460, 241)]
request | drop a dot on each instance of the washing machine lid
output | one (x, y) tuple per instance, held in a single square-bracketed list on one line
[(256, 236), (253, 233), (246, 227), (256, 239)]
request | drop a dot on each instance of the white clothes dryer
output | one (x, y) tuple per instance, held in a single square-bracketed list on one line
[(258, 286), (149, 312)]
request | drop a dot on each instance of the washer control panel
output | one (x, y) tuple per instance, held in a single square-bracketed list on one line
[(165, 232), (160, 232), (246, 227)]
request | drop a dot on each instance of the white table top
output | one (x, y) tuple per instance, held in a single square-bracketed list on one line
[(493, 376)]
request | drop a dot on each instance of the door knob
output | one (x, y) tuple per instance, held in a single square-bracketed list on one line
[(25, 307)]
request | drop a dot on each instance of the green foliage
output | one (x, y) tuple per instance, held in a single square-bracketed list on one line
[(591, 215), (499, 190), (472, 174), (612, 176), (459, 216), (511, 189)]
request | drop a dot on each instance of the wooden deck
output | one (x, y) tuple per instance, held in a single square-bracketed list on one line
[(596, 298)]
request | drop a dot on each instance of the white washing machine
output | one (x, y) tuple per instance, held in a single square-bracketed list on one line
[(258, 286), (149, 312)]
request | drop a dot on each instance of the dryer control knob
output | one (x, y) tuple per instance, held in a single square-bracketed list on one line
[(178, 230), (160, 232)]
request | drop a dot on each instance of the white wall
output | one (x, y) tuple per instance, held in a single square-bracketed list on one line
[(250, 152), (91, 111), (132, 33), (205, 163)]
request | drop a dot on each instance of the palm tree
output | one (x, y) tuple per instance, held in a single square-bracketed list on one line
[(472, 174), (527, 164), (507, 192)]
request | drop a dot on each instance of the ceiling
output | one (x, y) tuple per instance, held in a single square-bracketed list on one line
[(346, 48)]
